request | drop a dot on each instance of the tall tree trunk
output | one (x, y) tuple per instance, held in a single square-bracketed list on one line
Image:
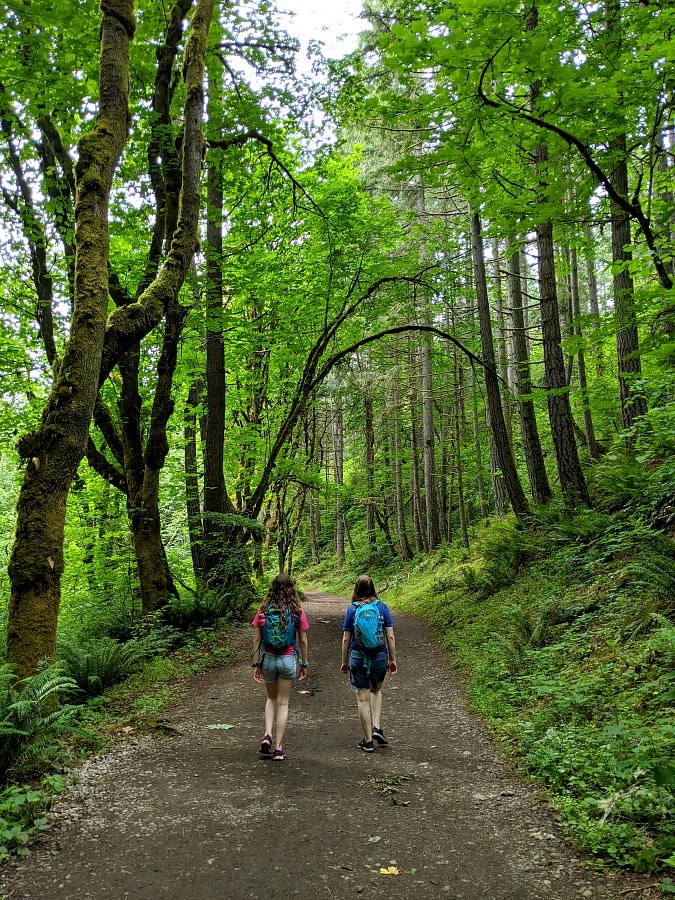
[(498, 487), (446, 435), (572, 481), (428, 447), (534, 458), (215, 497), (591, 279), (396, 446), (459, 402), (92, 351), (627, 342), (478, 450), (55, 450), (589, 428), (192, 501), (502, 338), (370, 469), (314, 526), (336, 422), (415, 487), (314, 519), (507, 463)]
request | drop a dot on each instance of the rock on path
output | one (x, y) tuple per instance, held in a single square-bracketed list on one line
[(195, 815)]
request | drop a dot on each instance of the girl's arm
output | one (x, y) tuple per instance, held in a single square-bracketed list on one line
[(391, 646), (257, 644), (257, 654), (302, 647), (346, 641)]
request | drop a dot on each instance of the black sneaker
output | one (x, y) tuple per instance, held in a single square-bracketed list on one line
[(366, 746), (378, 735)]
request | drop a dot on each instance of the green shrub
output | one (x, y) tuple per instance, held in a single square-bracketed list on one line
[(190, 611), (98, 663), (22, 815), (30, 717)]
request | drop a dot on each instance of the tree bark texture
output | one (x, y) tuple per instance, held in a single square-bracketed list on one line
[(396, 446), (589, 427), (627, 341), (572, 481), (192, 499), (54, 452), (457, 428), (534, 458), (336, 422), (370, 469), (507, 463), (434, 532), (94, 347), (415, 481)]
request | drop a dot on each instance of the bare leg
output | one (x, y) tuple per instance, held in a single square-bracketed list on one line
[(376, 707), (284, 686), (363, 700), (270, 706)]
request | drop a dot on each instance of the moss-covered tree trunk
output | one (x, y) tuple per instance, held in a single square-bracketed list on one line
[(54, 451), (95, 347)]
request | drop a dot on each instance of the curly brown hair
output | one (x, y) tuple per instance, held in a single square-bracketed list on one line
[(282, 595), (364, 589)]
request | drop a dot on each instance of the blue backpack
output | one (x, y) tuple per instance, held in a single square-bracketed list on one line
[(368, 632), (278, 630)]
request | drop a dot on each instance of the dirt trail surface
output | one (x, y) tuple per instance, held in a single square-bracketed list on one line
[(195, 814)]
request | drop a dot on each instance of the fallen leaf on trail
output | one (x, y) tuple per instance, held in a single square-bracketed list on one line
[(220, 727), (304, 692), (390, 870), (127, 729)]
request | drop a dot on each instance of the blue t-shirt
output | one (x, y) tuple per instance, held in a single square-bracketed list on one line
[(348, 625)]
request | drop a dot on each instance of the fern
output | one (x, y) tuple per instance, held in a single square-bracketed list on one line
[(96, 664), (654, 573), (30, 716), (207, 608), (526, 630)]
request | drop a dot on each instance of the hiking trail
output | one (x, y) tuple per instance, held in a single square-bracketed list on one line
[(195, 814)]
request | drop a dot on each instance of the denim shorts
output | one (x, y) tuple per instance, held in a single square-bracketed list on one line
[(363, 677), (278, 665)]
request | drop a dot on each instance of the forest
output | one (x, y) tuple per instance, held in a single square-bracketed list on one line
[(408, 312)]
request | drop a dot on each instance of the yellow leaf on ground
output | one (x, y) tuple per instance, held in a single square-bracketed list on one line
[(390, 870)]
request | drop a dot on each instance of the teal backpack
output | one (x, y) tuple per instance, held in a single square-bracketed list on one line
[(278, 630), (368, 632)]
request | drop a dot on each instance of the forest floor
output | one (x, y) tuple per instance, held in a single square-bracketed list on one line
[(195, 814)]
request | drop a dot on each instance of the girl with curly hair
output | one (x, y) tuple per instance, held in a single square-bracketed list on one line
[(277, 665)]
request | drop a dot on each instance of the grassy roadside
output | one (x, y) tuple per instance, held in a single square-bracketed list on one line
[(565, 632)]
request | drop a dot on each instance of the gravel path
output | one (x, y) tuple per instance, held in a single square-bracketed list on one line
[(194, 814)]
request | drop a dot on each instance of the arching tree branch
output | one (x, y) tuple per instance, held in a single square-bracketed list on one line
[(633, 209)]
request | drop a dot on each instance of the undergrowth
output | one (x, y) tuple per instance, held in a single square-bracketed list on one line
[(565, 630), (114, 689)]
